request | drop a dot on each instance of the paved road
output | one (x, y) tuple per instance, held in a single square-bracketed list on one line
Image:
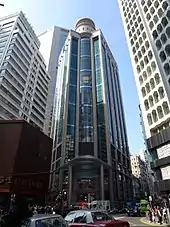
[(133, 221)]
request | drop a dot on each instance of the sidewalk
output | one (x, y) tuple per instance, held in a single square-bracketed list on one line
[(146, 222)]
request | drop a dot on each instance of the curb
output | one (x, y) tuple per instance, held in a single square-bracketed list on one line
[(144, 221)]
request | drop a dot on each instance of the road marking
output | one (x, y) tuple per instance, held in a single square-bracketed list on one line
[(131, 223), (143, 220), (119, 217)]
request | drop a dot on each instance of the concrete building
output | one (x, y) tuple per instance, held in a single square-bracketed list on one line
[(23, 78), (140, 175), (52, 41), (25, 161), (90, 151), (147, 28)]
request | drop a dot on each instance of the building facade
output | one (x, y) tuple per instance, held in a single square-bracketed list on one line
[(52, 42), (147, 28), (140, 176), (25, 160), (23, 78), (90, 151)]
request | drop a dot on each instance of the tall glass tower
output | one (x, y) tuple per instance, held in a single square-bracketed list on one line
[(90, 152)]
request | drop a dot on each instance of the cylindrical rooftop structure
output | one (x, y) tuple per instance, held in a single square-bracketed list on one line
[(85, 25)]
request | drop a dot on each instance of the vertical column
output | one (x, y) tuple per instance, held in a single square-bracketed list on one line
[(111, 187), (70, 169), (102, 181), (61, 178)]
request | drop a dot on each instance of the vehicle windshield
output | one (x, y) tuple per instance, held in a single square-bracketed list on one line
[(100, 216)]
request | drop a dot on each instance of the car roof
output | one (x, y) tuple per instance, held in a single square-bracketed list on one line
[(42, 216), (87, 211)]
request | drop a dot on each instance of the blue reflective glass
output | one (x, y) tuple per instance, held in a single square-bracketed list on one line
[(86, 115), (97, 61), (71, 130), (74, 46), (85, 62), (96, 47), (74, 61), (71, 114), (86, 95), (99, 91), (98, 77), (73, 77), (72, 94), (85, 78), (85, 46)]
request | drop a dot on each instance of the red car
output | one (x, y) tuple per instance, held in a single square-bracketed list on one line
[(95, 218)]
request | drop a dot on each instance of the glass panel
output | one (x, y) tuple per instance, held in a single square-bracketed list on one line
[(71, 114)]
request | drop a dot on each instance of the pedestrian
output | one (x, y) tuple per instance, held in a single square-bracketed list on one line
[(160, 214)]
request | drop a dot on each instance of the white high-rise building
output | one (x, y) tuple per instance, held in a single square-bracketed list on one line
[(147, 28), (52, 42), (24, 80)]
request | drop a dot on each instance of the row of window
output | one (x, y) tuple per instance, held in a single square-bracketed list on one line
[(157, 114), (154, 99), (153, 81)]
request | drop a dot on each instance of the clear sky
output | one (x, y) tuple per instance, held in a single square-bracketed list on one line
[(43, 14)]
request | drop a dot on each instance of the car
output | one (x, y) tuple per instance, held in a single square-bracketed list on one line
[(93, 218), (45, 220)]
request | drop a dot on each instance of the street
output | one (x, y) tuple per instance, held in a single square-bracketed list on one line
[(133, 221)]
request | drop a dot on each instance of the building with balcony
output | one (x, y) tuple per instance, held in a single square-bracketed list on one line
[(24, 80), (147, 29), (90, 156)]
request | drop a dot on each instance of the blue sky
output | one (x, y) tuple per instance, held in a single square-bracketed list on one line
[(43, 14)]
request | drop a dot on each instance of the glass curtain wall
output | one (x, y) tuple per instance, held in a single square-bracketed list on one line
[(101, 131), (71, 119), (86, 110)]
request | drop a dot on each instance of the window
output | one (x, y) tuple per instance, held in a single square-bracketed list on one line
[(168, 14), (161, 92), (158, 44), (157, 78), (151, 24), (162, 56), (148, 88), (143, 49), (167, 69), (168, 32), (150, 55), (80, 217), (165, 107), (159, 28), (143, 92), (167, 50), (149, 117), (155, 95), (141, 80), (156, 4), (145, 75), (148, 16), (154, 34), (70, 217), (146, 105), (100, 216), (149, 71), (164, 22), (154, 115), (151, 101), (163, 38), (152, 83), (164, 5)]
